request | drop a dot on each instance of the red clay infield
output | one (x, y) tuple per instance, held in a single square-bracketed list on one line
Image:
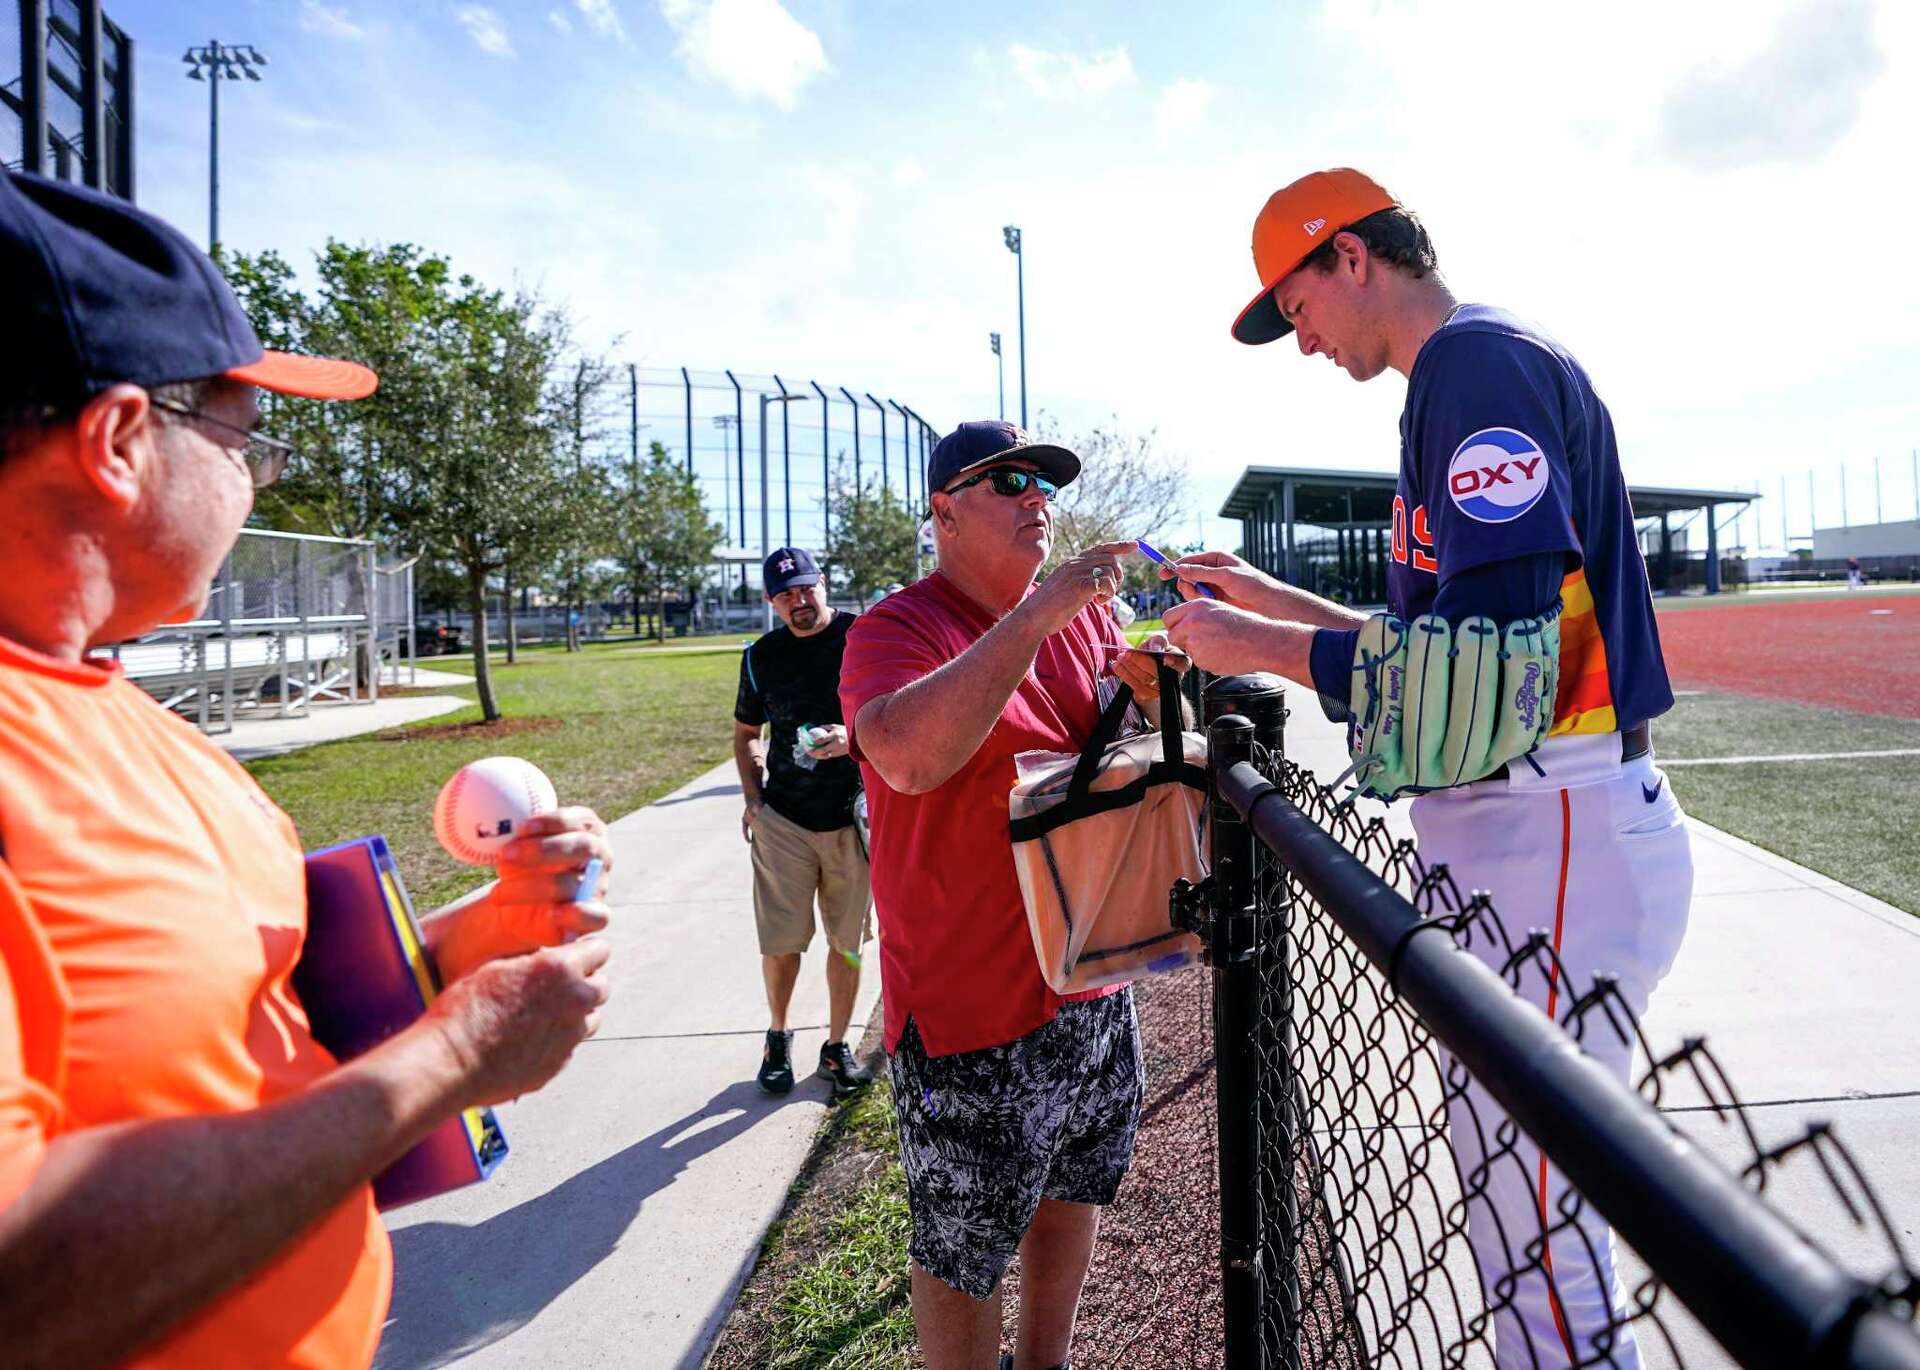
[(1859, 652)]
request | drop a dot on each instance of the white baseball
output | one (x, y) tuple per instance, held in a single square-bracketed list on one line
[(480, 810)]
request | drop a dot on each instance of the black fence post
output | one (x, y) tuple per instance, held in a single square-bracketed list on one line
[(1260, 699), (1236, 1006)]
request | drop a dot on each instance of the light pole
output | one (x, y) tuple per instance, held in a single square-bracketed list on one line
[(1011, 236), (725, 423), (766, 542), (1000, 366), (214, 63)]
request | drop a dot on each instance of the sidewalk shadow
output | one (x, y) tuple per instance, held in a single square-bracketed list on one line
[(710, 792), (458, 1289)]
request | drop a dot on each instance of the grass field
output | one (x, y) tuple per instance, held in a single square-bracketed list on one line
[(614, 733), (1853, 820), (830, 1286)]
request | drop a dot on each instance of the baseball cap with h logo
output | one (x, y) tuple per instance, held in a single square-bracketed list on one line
[(787, 567)]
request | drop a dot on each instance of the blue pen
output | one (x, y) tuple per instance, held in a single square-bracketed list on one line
[(1153, 553), (589, 885), (588, 888)]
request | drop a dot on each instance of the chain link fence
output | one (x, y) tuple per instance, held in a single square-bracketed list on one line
[(1419, 1168), (1353, 1096), (291, 620)]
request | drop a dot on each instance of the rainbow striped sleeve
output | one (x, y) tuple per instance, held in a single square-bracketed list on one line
[(1584, 701)]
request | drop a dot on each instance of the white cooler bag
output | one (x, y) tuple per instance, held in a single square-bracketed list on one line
[(1100, 838)]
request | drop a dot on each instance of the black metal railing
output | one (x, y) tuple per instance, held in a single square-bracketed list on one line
[(1357, 1033)]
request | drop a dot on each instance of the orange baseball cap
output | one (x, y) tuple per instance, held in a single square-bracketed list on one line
[(1295, 220)]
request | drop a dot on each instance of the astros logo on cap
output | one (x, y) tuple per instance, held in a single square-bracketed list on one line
[(1497, 474), (786, 564)]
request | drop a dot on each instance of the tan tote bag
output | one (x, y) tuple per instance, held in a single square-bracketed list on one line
[(1098, 841)]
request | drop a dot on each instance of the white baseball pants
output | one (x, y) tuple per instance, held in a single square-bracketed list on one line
[(1595, 853)]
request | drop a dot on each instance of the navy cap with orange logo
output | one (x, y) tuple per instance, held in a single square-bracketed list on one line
[(101, 292), (1295, 220), (787, 567)]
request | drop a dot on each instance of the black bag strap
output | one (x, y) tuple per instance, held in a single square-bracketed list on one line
[(1172, 767), (1172, 748)]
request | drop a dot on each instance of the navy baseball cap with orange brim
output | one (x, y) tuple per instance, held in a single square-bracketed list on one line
[(1295, 220), (101, 292)]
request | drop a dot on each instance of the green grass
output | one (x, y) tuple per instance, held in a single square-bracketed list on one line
[(632, 729), (847, 1307), (1851, 820)]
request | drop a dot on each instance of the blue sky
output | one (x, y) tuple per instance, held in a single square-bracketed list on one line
[(1707, 201)]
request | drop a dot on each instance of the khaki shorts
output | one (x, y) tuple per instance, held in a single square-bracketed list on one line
[(791, 865)]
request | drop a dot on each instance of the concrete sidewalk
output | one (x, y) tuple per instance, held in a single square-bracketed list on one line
[(266, 735), (641, 1181)]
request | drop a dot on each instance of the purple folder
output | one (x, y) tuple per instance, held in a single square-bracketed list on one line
[(363, 976)]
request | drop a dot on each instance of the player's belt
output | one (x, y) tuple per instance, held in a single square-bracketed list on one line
[(1635, 742)]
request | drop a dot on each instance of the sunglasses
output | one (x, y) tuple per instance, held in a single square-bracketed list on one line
[(1010, 481)]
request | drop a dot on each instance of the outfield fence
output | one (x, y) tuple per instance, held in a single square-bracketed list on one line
[(1364, 1018)]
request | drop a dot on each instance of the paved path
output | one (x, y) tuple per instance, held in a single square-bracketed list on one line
[(253, 738), (641, 1181)]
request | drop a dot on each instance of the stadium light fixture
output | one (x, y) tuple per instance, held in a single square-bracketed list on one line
[(1015, 244), (1000, 367), (213, 63)]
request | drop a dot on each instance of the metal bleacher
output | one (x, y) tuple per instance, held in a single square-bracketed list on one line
[(292, 620)]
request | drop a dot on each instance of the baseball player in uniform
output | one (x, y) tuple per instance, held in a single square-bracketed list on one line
[(1508, 688)]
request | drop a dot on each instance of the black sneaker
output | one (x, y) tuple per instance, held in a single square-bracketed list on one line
[(776, 1063), (837, 1064)]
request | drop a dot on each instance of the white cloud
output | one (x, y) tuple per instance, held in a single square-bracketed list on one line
[(754, 48), (330, 21), (483, 26), (602, 18), (560, 21), (1791, 101), (1063, 76), (1185, 102), (908, 172)]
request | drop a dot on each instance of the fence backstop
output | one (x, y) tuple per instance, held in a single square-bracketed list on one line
[(291, 619)]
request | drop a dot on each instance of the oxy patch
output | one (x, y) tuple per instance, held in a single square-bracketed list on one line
[(1497, 474)]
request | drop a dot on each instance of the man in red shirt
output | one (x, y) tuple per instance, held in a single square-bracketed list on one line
[(1017, 1109), (183, 1168)]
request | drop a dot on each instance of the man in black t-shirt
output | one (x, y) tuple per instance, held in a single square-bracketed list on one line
[(800, 817)]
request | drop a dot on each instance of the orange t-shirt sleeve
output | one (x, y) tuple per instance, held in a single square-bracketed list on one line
[(32, 1032)]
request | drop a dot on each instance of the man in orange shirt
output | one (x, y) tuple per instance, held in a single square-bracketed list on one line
[(183, 1169)]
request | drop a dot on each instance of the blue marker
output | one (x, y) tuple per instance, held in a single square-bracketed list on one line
[(1153, 553), (588, 888)]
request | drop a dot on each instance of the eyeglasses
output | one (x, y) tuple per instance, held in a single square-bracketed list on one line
[(265, 458), (1010, 481)]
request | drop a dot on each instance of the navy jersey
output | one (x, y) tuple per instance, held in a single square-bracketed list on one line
[(1507, 456)]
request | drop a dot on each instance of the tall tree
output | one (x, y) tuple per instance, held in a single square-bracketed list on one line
[(1126, 490), (382, 306), (670, 534), (874, 535), (586, 518), (482, 480)]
